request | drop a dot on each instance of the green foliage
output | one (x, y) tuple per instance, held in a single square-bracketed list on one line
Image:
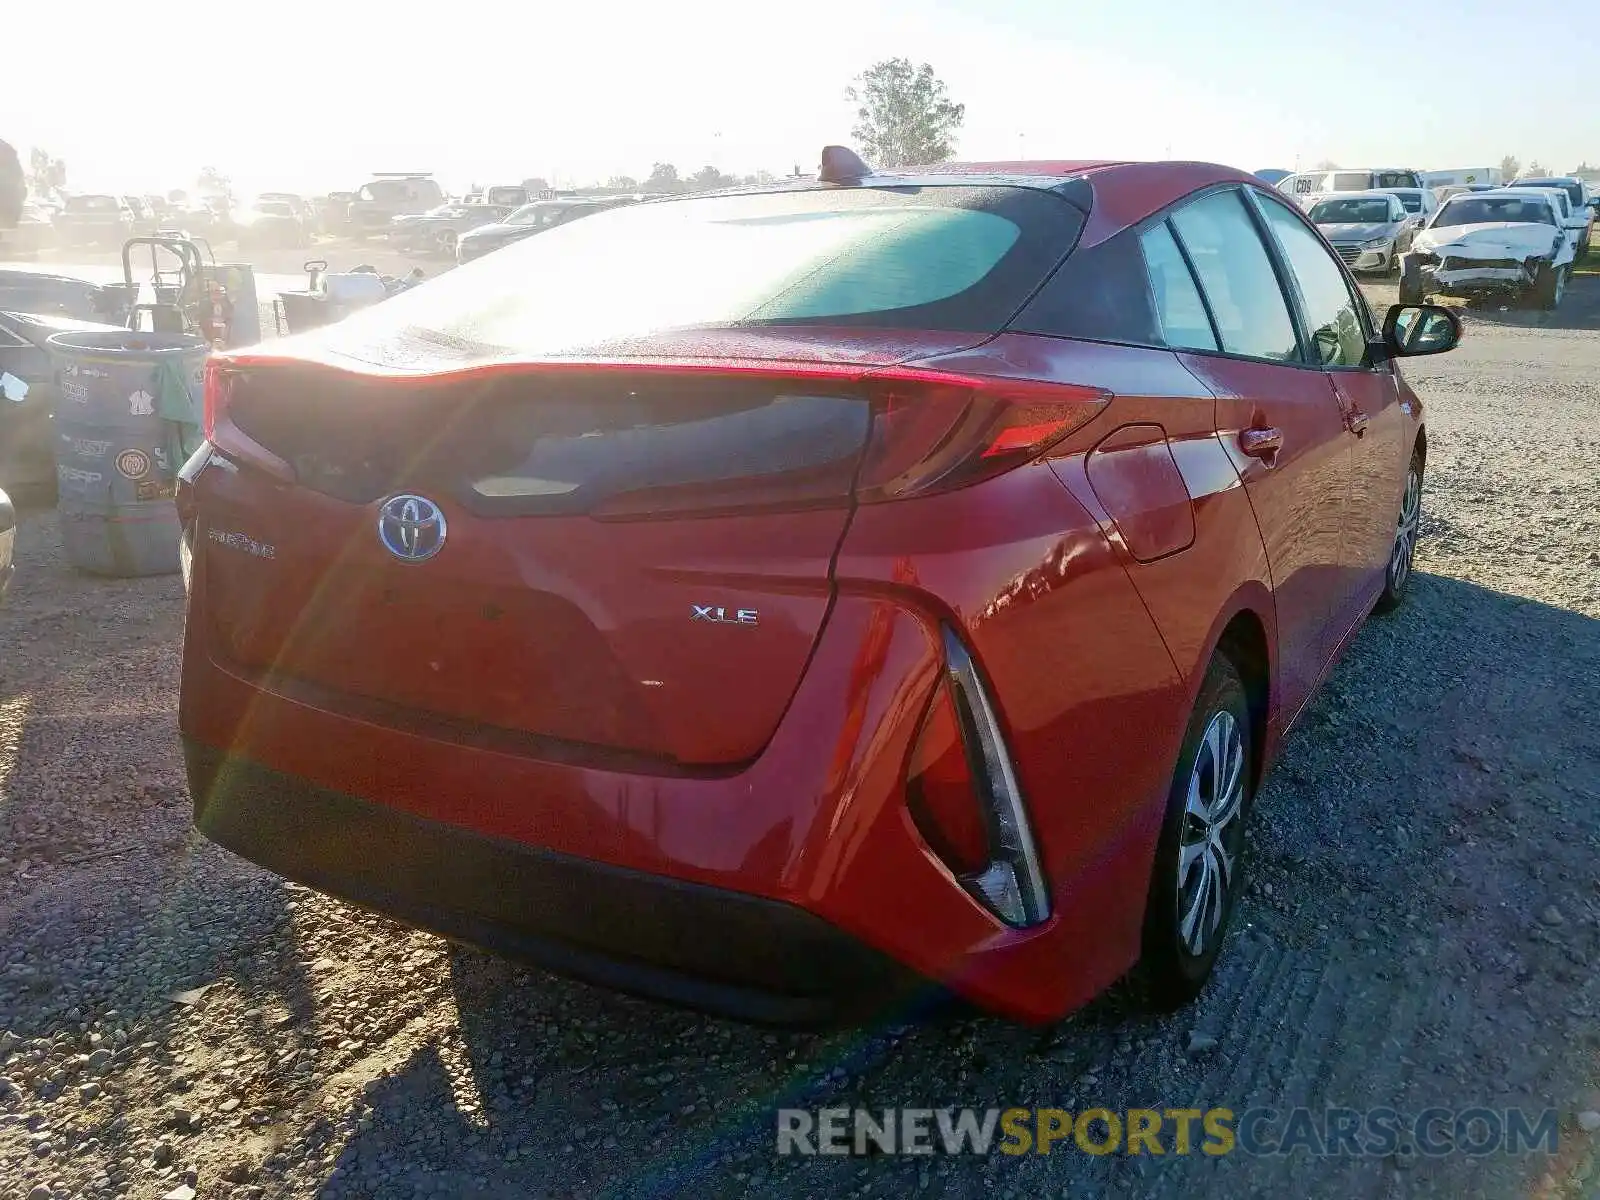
[(905, 115)]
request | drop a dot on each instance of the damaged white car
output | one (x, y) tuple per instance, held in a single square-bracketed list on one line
[(1485, 243)]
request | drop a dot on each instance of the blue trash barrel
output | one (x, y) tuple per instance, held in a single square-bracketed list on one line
[(117, 455)]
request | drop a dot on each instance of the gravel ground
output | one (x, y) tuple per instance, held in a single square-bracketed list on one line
[(1422, 928)]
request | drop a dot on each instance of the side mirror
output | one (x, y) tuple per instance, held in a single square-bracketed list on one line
[(1412, 330)]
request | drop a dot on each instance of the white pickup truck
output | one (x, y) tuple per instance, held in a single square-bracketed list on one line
[(1580, 202)]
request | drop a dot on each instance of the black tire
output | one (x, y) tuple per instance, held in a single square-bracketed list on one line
[(1171, 970), (1411, 290), (1402, 555), (1549, 286)]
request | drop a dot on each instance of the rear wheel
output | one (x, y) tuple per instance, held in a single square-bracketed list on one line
[(1411, 291), (1199, 856)]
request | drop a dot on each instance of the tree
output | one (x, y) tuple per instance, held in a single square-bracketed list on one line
[(1509, 165), (535, 186), (213, 182), (1536, 169), (708, 177), (905, 114), (663, 177), (1326, 164), (623, 183), (45, 174)]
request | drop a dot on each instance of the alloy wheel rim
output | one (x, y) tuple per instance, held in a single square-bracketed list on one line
[(1405, 534), (1208, 844)]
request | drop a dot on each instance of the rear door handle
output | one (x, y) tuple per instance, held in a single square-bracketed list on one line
[(1356, 422), (1262, 443)]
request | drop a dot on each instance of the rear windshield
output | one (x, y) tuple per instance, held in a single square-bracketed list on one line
[(1410, 201), (940, 258), (1484, 210), (1365, 211), (1396, 179), (92, 204)]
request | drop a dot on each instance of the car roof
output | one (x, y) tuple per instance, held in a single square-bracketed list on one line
[(1114, 193), (1531, 179)]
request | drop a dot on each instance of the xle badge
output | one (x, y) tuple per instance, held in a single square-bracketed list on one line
[(721, 616)]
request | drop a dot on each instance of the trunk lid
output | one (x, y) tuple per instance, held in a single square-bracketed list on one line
[(633, 562)]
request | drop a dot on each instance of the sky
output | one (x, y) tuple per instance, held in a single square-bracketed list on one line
[(312, 95)]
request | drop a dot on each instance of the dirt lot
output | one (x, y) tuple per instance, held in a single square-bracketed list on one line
[(1423, 927)]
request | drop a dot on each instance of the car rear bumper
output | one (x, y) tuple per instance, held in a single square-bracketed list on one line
[(702, 947), (810, 842)]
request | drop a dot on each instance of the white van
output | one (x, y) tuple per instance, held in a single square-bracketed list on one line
[(1354, 179)]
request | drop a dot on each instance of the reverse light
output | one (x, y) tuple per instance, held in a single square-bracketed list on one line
[(964, 798)]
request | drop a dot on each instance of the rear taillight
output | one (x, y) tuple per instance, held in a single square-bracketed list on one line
[(638, 440), (218, 385), (221, 383), (934, 434), (964, 798)]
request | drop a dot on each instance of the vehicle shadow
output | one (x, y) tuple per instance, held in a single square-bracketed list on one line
[(1383, 957), (1579, 309)]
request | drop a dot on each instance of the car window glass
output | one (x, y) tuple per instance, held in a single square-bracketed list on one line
[(1333, 318), (10, 341), (1101, 293), (949, 258), (1181, 311), (1246, 300)]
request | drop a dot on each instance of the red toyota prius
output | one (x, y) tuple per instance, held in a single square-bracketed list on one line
[(770, 601)]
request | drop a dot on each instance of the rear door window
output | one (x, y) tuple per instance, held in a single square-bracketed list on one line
[(1185, 323), (1237, 276)]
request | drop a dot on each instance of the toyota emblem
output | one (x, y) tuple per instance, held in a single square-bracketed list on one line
[(412, 528)]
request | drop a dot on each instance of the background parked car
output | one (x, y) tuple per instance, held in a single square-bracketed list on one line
[(529, 220), (1419, 202), (1580, 217), (1501, 242), (1370, 230), (438, 229), (1358, 179), (35, 231), (95, 220), (389, 195), (272, 225)]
